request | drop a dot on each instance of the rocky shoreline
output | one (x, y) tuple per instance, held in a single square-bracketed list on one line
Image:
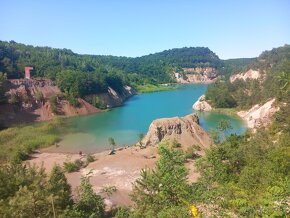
[(112, 170), (255, 117)]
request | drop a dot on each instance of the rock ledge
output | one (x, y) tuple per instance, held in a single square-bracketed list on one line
[(186, 130)]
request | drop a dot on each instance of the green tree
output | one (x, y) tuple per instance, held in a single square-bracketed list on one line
[(88, 204), (112, 142), (59, 189), (224, 126), (31, 199), (283, 79), (214, 135), (53, 103), (123, 212), (164, 187)]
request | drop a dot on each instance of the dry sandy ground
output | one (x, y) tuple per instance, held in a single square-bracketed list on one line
[(120, 170)]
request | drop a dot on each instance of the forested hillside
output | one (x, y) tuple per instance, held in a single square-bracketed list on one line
[(232, 66), (97, 72), (274, 67)]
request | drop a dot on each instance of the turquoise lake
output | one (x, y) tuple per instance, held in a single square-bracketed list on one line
[(134, 117)]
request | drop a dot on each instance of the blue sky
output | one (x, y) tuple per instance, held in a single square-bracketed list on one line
[(137, 27)]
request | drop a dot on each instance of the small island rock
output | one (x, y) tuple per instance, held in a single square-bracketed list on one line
[(201, 104)]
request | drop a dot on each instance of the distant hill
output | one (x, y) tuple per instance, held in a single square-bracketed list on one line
[(186, 57), (47, 62)]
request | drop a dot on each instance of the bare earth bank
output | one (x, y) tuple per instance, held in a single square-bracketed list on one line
[(120, 170)]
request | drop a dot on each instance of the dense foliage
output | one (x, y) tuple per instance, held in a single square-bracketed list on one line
[(274, 66), (232, 66), (88, 74), (249, 174), (29, 192), (164, 191), (186, 57)]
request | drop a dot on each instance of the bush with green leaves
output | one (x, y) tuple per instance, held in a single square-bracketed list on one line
[(73, 166), (90, 158), (99, 103), (88, 203), (165, 187), (53, 103), (109, 190), (247, 172), (123, 212)]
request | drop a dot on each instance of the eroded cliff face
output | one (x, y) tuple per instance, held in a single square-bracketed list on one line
[(29, 101), (204, 75), (201, 104), (186, 130), (115, 99)]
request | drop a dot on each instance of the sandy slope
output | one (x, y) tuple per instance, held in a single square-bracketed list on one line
[(250, 74), (259, 115)]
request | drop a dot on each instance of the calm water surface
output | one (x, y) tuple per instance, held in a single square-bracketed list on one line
[(134, 117)]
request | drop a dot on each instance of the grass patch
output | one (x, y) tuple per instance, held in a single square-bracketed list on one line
[(76, 165), (17, 143), (154, 88)]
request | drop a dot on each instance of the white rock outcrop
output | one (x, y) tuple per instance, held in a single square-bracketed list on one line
[(259, 115), (250, 74), (186, 78), (201, 104)]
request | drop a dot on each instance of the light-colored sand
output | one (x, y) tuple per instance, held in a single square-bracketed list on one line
[(120, 170)]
